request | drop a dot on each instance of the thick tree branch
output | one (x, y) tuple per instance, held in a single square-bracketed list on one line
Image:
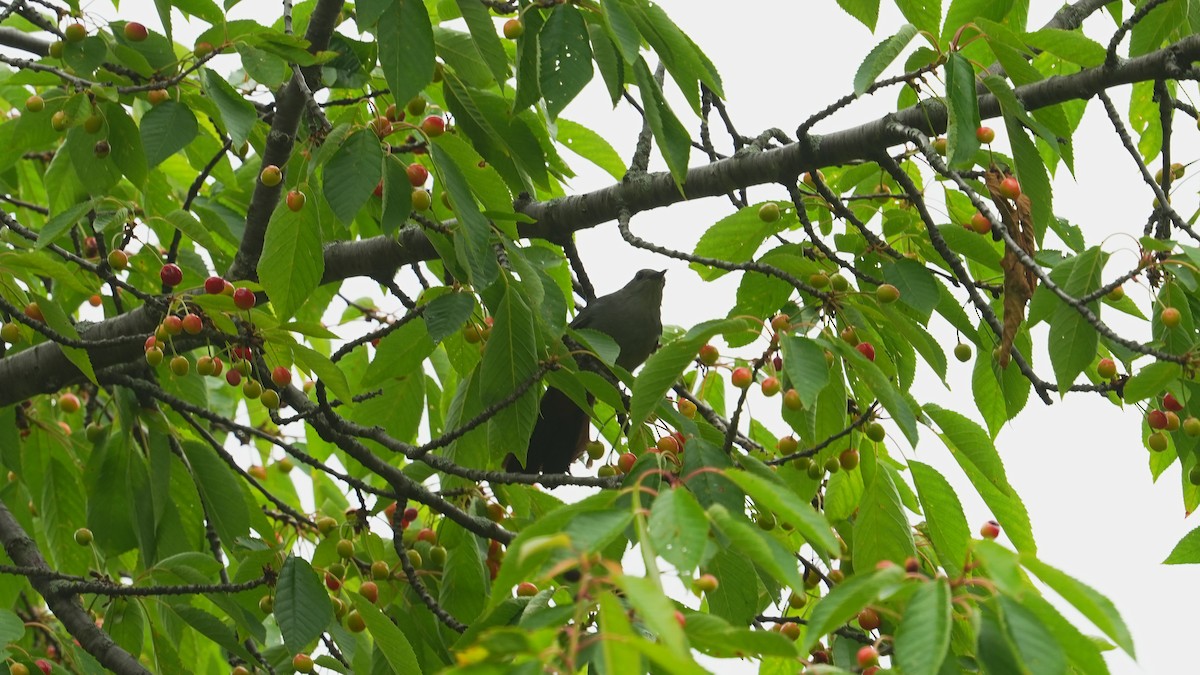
[(64, 604)]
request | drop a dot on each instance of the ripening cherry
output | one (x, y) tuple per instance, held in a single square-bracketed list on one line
[(1107, 369), (787, 445), (709, 355), (271, 175), (172, 325), (526, 589), (742, 377), (75, 33), (136, 31), (990, 530), (868, 656), (1010, 188), (985, 134), (192, 323), (1170, 317), (35, 104), (421, 200), (980, 223), (295, 200), (771, 386), (157, 96), (1157, 441), (417, 174), (180, 365), (887, 294), (233, 377), (370, 591), (791, 400), (705, 583), (1171, 403), (626, 461), (433, 126), (1156, 419), (513, 29), (68, 403), (118, 259), (868, 619)]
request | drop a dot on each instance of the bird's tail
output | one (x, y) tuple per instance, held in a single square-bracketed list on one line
[(559, 436)]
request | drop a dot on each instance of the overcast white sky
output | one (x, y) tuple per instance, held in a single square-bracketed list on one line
[(1079, 464)]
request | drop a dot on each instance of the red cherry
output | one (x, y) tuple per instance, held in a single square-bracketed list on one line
[(1171, 403), (990, 530), (192, 324), (281, 376), (379, 189), (244, 298), (410, 514), (171, 275), (526, 589), (866, 349), (214, 285), (771, 386), (233, 377), (417, 174), (1156, 419), (985, 134)]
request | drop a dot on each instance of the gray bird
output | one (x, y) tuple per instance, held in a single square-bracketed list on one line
[(632, 316)]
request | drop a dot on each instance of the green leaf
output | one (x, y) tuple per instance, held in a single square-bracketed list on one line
[(847, 599), (445, 314), (327, 371), (614, 623), (126, 144), (1187, 551), (292, 260), (220, 488), (61, 222), (591, 146), (60, 322), (866, 11), (406, 49), (473, 238), (679, 528), (389, 639), (918, 288), (664, 367), (352, 174), (962, 112), (167, 129), (302, 606), (881, 530), (566, 58), (511, 355), (1039, 652), (924, 633), (890, 397), (806, 367), (487, 42), (924, 14), (786, 506), (238, 113), (1071, 46), (11, 627), (756, 545), (944, 518), (1150, 380), (736, 238), (974, 452), (656, 611), (1072, 343), (1090, 603), (881, 57), (672, 137)]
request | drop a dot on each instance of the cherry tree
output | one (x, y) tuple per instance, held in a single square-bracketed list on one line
[(224, 455)]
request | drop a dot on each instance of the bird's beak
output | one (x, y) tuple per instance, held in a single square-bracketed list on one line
[(661, 273)]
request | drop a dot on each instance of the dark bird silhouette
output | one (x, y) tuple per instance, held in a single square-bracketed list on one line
[(632, 317)]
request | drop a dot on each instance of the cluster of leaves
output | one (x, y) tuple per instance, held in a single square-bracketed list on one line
[(423, 135)]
